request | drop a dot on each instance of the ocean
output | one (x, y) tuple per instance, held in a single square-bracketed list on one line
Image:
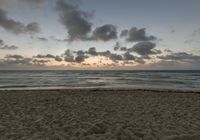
[(111, 79)]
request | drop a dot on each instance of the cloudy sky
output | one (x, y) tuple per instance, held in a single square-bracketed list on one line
[(99, 34)]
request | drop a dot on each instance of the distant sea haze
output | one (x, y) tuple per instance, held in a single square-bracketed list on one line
[(172, 80)]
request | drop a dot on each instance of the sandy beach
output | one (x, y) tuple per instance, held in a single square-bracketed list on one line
[(99, 115)]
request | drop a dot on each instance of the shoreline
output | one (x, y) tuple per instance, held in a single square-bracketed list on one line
[(104, 89)]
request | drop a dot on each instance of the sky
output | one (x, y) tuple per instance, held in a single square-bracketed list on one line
[(99, 34)]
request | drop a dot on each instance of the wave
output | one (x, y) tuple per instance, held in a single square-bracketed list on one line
[(100, 79)]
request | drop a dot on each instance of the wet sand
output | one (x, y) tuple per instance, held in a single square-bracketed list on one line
[(99, 115)]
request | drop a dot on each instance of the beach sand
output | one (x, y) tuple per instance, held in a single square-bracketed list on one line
[(99, 115)]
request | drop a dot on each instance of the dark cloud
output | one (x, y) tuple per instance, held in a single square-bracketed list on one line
[(180, 56), (49, 56), (128, 56), (105, 53), (16, 26), (1, 42), (19, 62), (124, 33), (33, 27), (14, 56), (123, 49), (115, 57), (161, 65), (172, 65), (45, 56), (74, 20), (117, 46), (6, 47), (139, 60), (58, 58), (23, 61), (68, 56), (112, 56), (135, 34), (145, 48), (175, 60), (40, 62), (80, 57), (92, 51), (105, 32), (14, 61)]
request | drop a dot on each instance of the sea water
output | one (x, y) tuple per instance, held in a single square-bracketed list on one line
[(112, 79)]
